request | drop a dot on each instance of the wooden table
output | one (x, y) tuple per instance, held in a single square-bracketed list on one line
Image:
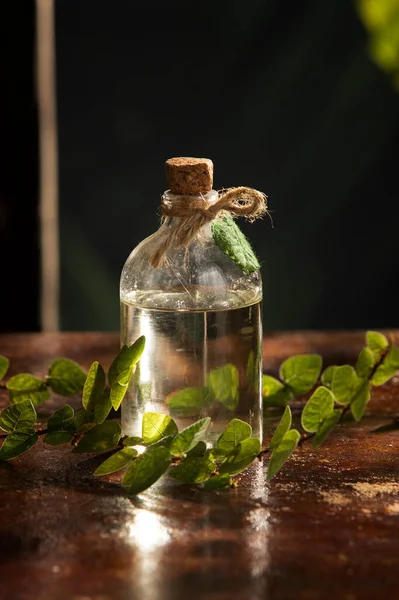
[(326, 527)]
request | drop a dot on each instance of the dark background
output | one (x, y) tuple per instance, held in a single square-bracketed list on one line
[(282, 96)]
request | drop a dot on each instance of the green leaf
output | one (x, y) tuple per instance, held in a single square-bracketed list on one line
[(325, 427), (243, 455), (66, 377), (27, 387), (274, 392), (223, 385), (4, 364), (282, 428), (377, 342), (146, 470), (327, 376), (387, 368), (17, 442), (360, 399), (193, 470), (344, 383), (365, 363), (102, 437), (156, 426), (317, 408), (56, 438), (62, 419), (93, 388), (116, 462), (18, 416), (133, 441), (166, 442), (235, 432), (219, 482), (198, 450), (230, 239), (121, 370), (84, 421), (102, 407), (282, 452), (301, 372), (189, 401), (189, 437)]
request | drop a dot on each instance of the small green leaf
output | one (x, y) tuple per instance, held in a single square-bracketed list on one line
[(146, 470), (121, 370), (344, 383), (116, 462), (94, 386), (166, 442), (56, 438), (325, 427), (189, 437), (387, 368), (301, 372), (274, 392), (198, 450), (365, 363), (102, 407), (243, 455), (282, 428), (223, 385), (62, 419), (193, 470), (219, 482), (360, 399), (235, 432), (4, 364), (156, 426), (230, 239), (17, 442), (84, 421), (189, 401), (317, 408), (102, 437), (18, 416), (327, 376), (282, 452), (133, 441), (27, 387), (377, 342), (66, 377)]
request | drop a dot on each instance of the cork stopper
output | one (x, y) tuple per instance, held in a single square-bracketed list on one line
[(189, 176)]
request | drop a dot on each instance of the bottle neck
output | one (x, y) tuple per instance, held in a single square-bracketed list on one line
[(191, 201)]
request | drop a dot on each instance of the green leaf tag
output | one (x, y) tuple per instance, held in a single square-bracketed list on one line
[(235, 432), (17, 442), (94, 386), (189, 437), (317, 408), (230, 239), (4, 364), (282, 428), (18, 416), (146, 470), (301, 372), (156, 427), (121, 370), (66, 377), (116, 462), (102, 437), (274, 392), (193, 470), (242, 456), (27, 387), (282, 452)]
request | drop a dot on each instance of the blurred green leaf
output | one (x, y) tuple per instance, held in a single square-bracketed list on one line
[(156, 426), (387, 369), (4, 364), (27, 387), (189, 437), (66, 377), (325, 427), (282, 452), (102, 437), (327, 376), (121, 370), (102, 407), (360, 399), (198, 450), (84, 421), (116, 462), (146, 470), (57, 438), (193, 470), (18, 416), (235, 432), (274, 392), (365, 363), (301, 372), (344, 383), (377, 342), (94, 386), (241, 457), (282, 428), (219, 482), (317, 408), (189, 401), (223, 385), (62, 419), (17, 442), (133, 441)]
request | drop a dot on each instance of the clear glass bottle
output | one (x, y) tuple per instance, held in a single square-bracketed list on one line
[(201, 316)]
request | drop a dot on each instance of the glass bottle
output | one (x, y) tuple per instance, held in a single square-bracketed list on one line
[(201, 316)]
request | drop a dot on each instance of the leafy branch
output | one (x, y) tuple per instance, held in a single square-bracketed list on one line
[(184, 455)]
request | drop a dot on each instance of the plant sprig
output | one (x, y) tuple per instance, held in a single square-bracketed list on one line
[(184, 455)]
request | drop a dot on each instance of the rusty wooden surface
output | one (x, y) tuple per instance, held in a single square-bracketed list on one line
[(326, 527)]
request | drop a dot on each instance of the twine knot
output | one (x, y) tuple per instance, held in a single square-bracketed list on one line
[(195, 211)]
